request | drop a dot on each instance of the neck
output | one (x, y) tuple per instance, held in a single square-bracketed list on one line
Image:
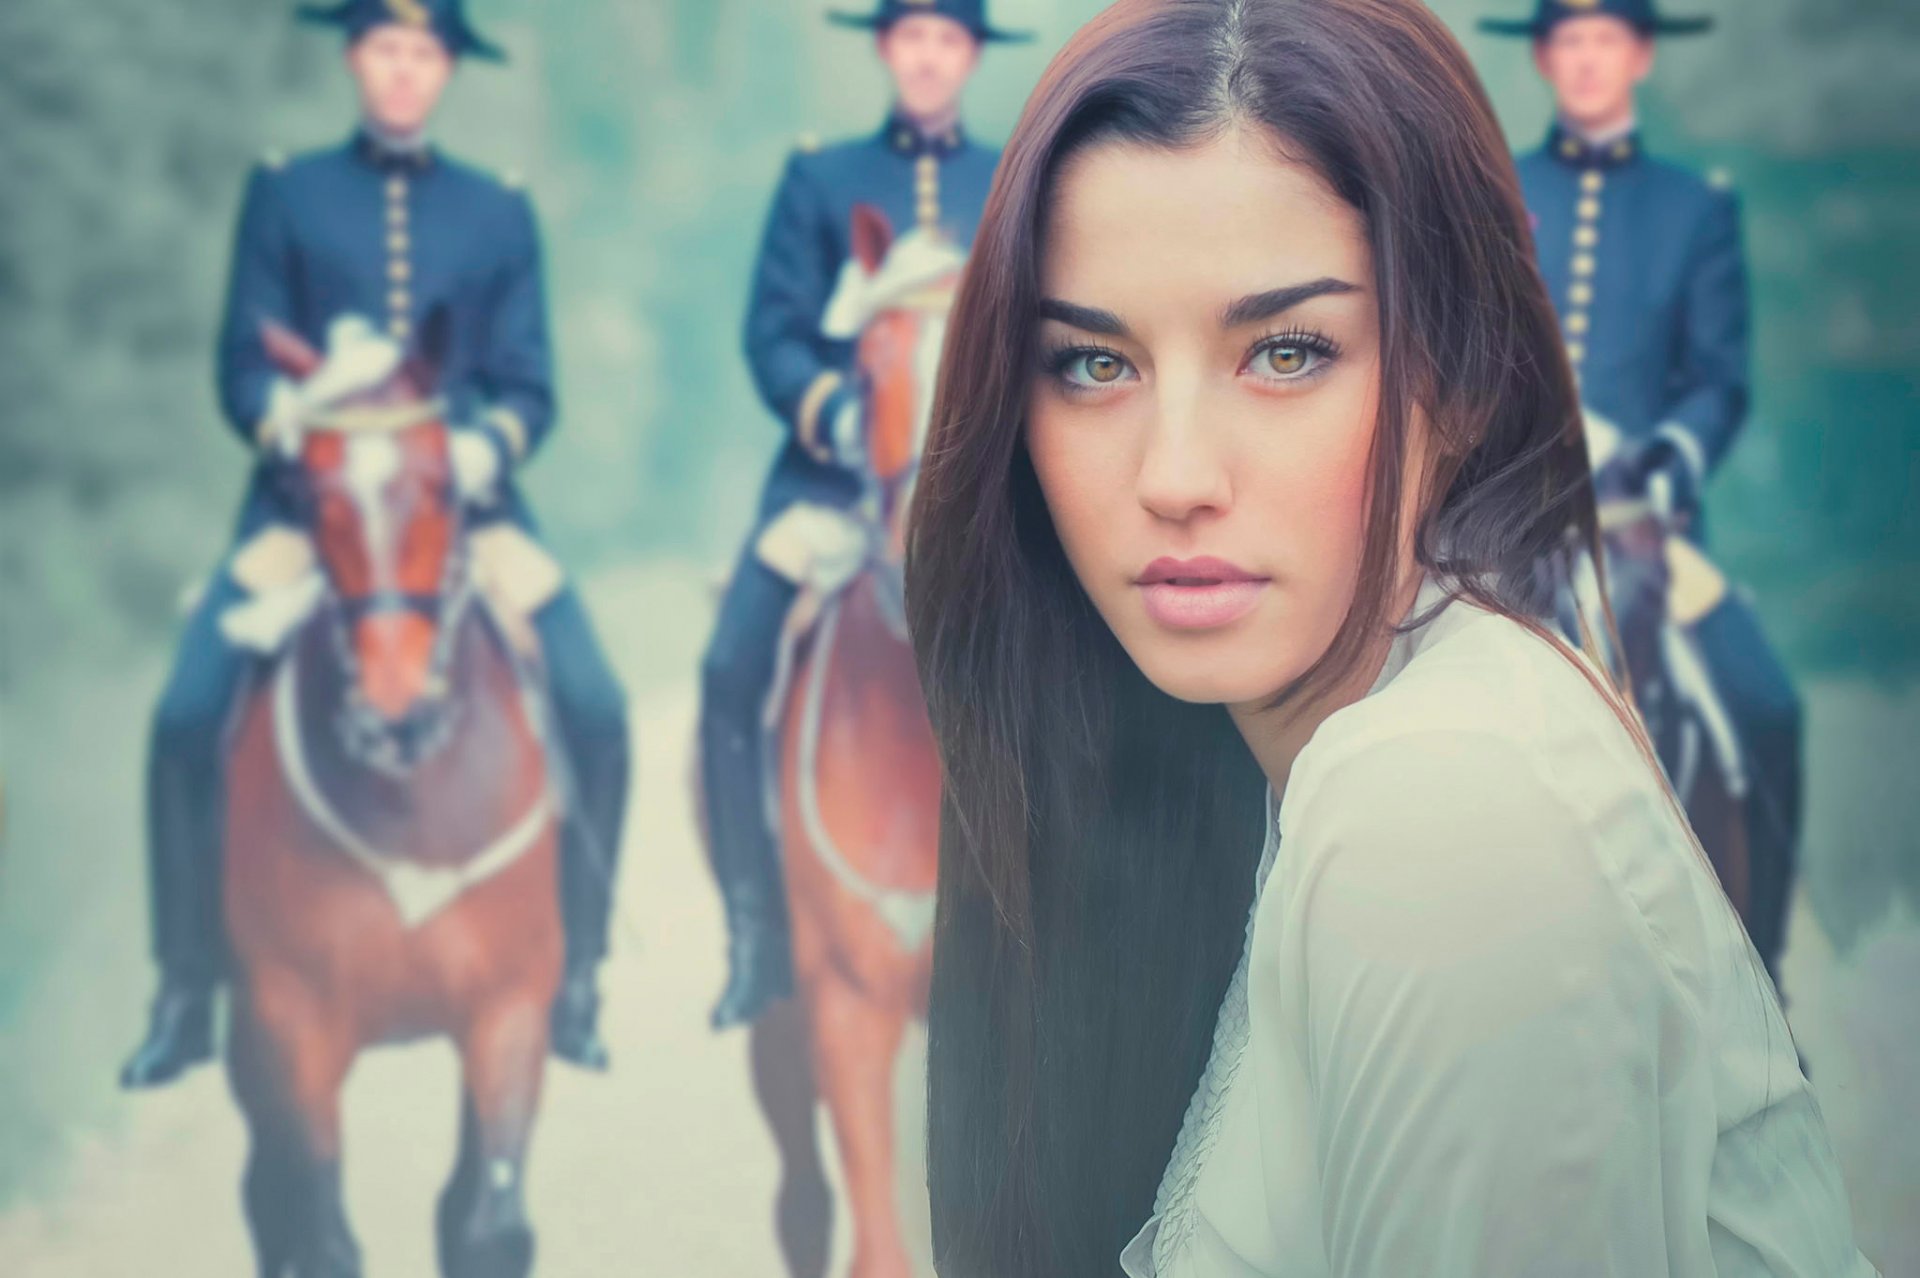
[(934, 123), (1599, 129), (1277, 734), (394, 139)]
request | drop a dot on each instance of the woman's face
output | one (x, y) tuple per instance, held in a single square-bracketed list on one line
[(1202, 406)]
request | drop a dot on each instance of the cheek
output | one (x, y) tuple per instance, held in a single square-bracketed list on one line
[(1305, 484), (1086, 485)]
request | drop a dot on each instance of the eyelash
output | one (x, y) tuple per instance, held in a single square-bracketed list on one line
[(1323, 348)]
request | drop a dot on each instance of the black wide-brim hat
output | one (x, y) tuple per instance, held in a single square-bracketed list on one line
[(971, 14), (1638, 14), (446, 19)]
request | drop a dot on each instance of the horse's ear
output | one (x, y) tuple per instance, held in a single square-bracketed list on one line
[(872, 236), (290, 352), (428, 355)]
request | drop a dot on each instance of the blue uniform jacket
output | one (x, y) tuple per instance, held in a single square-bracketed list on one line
[(392, 236), (1644, 262), (803, 376)]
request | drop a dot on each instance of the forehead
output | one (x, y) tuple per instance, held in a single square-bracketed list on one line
[(929, 26), (1208, 222), (396, 36), (1594, 26)]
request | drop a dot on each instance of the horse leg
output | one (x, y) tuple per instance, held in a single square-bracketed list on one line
[(856, 1041), (482, 1224), (783, 1082), (287, 1068)]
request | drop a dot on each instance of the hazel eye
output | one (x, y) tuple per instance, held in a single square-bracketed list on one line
[(1285, 359), (1099, 368)]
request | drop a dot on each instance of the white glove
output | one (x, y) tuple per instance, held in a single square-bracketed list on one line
[(476, 466), (847, 434), (282, 424)]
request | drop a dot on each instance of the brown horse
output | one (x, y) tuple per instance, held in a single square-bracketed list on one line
[(859, 789), (391, 837)]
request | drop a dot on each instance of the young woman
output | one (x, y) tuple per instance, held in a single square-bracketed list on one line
[(1305, 907)]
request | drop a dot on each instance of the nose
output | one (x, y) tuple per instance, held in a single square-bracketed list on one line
[(396, 652), (1183, 470)]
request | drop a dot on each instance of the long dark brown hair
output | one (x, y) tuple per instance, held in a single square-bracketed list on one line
[(1098, 837)]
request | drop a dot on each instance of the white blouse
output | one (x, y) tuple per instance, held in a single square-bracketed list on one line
[(1494, 1017)]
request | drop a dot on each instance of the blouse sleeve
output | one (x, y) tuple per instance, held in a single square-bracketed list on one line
[(1486, 1023)]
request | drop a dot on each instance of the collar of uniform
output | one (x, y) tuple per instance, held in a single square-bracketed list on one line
[(1571, 149), (390, 159), (903, 137)]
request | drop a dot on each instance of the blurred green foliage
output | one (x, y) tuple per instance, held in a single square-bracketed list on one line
[(651, 134)]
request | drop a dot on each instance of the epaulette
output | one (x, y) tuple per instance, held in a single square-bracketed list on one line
[(807, 143)]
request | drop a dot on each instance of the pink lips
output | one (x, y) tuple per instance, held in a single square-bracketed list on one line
[(1198, 594)]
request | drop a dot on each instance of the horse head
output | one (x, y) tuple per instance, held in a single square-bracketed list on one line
[(892, 301), (375, 480)]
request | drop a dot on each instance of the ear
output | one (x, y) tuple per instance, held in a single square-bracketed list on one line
[(872, 236), (289, 351), (428, 355)]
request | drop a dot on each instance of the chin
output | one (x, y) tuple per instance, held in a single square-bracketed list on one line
[(1205, 674), (402, 122)]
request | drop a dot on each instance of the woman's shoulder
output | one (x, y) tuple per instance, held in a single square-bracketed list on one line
[(1473, 682), (1486, 770)]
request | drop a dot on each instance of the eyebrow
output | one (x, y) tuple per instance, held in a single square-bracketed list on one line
[(1090, 318), (1258, 306), (1246, 310)]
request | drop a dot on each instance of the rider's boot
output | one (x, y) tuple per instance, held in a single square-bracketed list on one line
[(179, 1034), (759, 961), (574, 1021)]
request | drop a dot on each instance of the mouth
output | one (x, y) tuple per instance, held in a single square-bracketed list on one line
[(1199, 594)]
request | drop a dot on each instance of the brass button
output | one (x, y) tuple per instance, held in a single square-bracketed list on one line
[(399, 327), (1576, 352), (1591, 181), (399, 299), (396, 215), (1569, 148), (396, 188), (396, 242), (1580, 293), (1588, 208), (1577, 323), (1585, 237), (398, 271), (1583, 263)]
